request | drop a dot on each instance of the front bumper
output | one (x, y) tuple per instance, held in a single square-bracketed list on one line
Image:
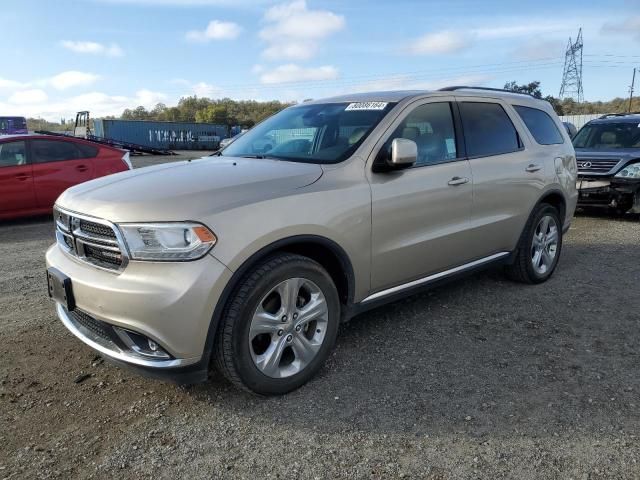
[(171, 304), (609, 192)]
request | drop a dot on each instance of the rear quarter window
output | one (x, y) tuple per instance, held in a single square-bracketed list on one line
[(540, 124), (87, 151)]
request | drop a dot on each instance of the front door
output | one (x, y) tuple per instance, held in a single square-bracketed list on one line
[(420, 215)]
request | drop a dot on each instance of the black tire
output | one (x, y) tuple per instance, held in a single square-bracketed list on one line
[(232, 356), (522, 269)]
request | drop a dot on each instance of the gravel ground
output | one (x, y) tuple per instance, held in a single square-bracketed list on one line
[(481, 378)]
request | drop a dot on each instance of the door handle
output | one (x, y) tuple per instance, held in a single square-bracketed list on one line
[(82, 168), (533, 168), (22, 177), (455, 181)]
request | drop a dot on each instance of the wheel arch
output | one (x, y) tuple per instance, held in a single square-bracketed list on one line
[(321, 249), (556, 199)]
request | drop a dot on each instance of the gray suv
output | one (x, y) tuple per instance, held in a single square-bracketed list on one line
[(608, 152), (249, 260)]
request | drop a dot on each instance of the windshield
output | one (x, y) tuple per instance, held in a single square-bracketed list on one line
[(315, 133), (608, 135)]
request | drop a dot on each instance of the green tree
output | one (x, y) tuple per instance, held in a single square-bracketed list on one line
[(532, 88)]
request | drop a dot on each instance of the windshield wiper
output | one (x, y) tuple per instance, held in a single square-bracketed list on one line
[(261, 157)]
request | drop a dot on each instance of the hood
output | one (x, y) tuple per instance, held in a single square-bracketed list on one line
[(187, 190), (608, 153)]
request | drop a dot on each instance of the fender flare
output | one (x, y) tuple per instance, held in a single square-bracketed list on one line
[(256, 257)]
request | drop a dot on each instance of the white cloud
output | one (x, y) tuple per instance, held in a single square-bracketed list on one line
[(6, 83), (294, 73), (294, 32), (513, 31), (200, 89), (216, 30), (99, 103), (72, 78), (539, 49), (456, 40), (438, 43), (189, 3), (149, 98), (203, 89), (24, 97), (292, 51), (629, 26), (93, 48), (412, 82)]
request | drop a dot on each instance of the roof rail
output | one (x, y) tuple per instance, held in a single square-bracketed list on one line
[(607, 115), (460, 87)]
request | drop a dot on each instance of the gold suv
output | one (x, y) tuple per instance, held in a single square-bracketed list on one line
[(248, 260)]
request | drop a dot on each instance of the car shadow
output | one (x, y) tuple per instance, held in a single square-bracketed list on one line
[(480, 356)]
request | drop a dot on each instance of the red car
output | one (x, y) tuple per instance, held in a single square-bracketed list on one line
[(35, 169)]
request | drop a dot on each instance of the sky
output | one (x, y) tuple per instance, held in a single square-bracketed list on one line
[(61, 56)]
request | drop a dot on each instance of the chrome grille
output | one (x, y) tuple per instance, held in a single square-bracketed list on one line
[(91, 240), (596, 165)]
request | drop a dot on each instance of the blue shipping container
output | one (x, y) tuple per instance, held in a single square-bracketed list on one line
[(171, 135)]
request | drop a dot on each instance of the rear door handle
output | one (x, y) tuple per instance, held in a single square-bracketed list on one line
[(22, 177), (455, 181), (533, 168), (82, 168)]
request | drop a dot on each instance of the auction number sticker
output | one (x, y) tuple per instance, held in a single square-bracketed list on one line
[(366, 106)]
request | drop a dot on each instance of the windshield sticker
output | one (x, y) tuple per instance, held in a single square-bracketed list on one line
[(366, 106)]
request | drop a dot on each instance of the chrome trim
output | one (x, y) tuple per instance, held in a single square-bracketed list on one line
[(435, 276), (80, 237), (126, 339), (111, 350), (102, 241)]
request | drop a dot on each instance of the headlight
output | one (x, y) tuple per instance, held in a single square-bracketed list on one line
[(174, 241), (630, 171)]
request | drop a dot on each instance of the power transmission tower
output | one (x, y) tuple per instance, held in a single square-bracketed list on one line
[(572, 74), (633, 83)]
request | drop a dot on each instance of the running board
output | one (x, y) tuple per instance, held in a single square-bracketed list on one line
[(435, 276)]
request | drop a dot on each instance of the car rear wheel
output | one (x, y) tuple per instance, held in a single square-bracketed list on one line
[(538, 252), (279, 326)]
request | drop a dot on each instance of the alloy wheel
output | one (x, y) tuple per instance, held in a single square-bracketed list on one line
[(544, 246), (288, 328)]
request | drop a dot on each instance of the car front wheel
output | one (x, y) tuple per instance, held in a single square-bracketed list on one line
[(279, 326)]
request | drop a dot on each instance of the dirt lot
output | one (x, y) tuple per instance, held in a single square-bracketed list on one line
[(478, 379)]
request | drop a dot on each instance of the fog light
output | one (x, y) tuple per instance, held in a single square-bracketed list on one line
[(140, 344)]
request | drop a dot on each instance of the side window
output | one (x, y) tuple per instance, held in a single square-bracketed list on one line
[(488, 129), (12, 154), (87, 151), (431, 127), (540, 124), (44, 151)]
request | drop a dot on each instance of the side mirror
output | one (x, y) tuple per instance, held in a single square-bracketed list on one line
[(404, 153)]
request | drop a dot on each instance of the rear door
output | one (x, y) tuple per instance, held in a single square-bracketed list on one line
[(508, 174), (57, 165), (16, 179), (420, 216)]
